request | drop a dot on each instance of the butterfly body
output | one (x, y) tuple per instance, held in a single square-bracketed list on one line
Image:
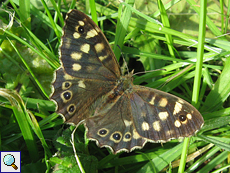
[(89, 88)]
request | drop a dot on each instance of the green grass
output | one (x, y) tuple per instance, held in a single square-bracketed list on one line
[(197, 69)]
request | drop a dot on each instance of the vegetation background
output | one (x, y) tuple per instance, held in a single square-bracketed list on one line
[(187, 38)]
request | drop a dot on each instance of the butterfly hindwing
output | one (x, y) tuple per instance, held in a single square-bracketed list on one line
[(114, 127), (75, 97), (160, 116), (145, 114)]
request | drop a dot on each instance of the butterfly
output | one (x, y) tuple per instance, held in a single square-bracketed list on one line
[(89, 88)]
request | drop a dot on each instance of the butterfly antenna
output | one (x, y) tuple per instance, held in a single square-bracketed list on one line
[(148, 71), (178, 74), (125, 63)]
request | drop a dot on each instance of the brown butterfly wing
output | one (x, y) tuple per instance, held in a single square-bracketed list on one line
[(76, 97), (125, 116), (114, 127), (85, 52), (160, 116), (141, 115), (88, 69)]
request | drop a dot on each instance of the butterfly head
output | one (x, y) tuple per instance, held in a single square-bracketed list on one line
[(126, 82)]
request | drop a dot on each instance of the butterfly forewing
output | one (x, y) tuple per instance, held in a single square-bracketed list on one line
[(89, 88), (88, 71), (85, 52)]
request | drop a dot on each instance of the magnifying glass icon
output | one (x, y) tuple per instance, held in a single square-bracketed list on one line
[(9, 160)]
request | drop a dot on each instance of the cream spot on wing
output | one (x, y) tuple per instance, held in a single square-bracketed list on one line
[(143, 114), (81, 23), (135, 134), (99, 47), (177, 108), (76, 55), (177, 123), (68, 77), (189, 116), (76, 67), (90, 68), (181, 101), (152, 100), (76, 35), (163, 115), (163, 102), (85, 48), (81, 84), (157, 126), (102, 57), (66, 43), (91, 33), (145, 126), (97, 29), (128, 123), (170, 132)]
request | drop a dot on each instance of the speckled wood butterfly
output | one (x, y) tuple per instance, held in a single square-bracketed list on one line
[(89, 89)]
